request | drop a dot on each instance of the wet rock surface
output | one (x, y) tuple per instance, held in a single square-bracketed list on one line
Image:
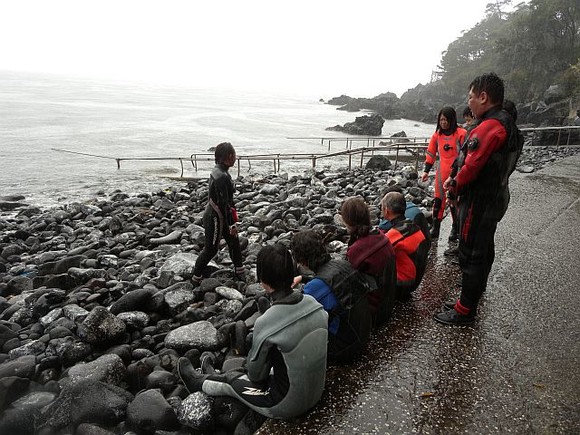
[(97, 303), (96, 306)]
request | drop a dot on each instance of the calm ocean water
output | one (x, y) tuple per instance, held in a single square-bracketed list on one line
[(39, 113)]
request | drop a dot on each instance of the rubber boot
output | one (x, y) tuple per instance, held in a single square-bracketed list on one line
[(435, 228)]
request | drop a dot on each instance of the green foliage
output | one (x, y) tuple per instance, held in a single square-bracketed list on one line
[(532, 47)]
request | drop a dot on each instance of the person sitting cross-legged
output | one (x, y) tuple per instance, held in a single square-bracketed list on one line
[(285, 369)]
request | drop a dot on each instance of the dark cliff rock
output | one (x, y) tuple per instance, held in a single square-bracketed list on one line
[(368, 125), (423, 102)]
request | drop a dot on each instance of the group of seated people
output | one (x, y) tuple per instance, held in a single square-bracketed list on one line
[(332, 318)]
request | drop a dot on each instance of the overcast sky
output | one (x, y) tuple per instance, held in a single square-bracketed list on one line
[(319, 47)]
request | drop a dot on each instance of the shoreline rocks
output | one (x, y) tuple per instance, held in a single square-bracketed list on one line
[(97, 297), (96, 302)]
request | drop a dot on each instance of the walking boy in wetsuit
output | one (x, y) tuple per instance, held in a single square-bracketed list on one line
[(220, 216)]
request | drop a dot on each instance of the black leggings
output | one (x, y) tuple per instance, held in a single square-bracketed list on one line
[(215, 229), (476, 249)]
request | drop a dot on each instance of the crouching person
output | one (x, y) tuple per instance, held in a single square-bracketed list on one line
[(411, 246), (341, 290), (285, 368)]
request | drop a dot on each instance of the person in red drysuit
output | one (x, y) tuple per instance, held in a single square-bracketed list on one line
[(482, 191), (445, 144)]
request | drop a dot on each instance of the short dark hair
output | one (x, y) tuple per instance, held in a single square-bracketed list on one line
[(449, 113), (275, 266), (467, 112), (223, 151), (355, 213), (308, 248), (491, 84), (395, 202)]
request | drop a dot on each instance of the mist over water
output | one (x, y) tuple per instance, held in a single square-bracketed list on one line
[(118, 120)]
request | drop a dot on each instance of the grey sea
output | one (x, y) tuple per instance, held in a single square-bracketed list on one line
[(40, 114)]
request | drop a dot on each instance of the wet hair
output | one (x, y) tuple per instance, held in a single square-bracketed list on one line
[(510, 107), (491, 84), (275, 266), (355, 213), (449, 113), (467, 112), (308, 249), (223, 151), (395, 202)]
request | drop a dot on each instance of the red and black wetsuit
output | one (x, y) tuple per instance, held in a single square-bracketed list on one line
[(411, 250), (490, 155)]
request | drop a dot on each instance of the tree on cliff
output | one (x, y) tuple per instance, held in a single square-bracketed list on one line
[(533, 47)]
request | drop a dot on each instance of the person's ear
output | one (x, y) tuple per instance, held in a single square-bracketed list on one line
[(483, 97)]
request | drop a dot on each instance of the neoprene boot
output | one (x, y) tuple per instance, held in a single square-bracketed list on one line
[(435, 228)]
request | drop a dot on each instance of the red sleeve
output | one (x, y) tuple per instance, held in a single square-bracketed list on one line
[(490, 136), (432, 150)]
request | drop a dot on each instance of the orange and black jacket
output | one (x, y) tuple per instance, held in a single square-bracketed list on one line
[(411, 249)]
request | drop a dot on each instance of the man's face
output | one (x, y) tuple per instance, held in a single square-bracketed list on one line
[(477, 102)]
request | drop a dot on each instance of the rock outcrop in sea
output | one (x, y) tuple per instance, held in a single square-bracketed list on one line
[(366, 125)]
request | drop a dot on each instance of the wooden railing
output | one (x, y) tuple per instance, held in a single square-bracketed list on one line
[(412, 147)]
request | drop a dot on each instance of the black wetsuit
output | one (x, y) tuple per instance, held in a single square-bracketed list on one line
[(217, 220)]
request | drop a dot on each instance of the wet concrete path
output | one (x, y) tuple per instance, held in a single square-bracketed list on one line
[(517, 370)]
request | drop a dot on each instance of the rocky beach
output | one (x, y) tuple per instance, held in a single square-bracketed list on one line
[(96, 302)]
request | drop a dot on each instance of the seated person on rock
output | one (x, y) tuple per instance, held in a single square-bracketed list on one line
[(286, 365), (341, 290), (371, 253), (412, 212), (411, 247)]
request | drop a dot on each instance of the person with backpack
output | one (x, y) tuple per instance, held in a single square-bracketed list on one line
[(220, 217), (412, 212), (410, 245), (285, 370), (371, 253), (341, 290), (445, 144), (481, 189)]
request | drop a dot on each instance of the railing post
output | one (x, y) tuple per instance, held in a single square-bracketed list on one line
[(417, 160), (118, 163), (181, 163)]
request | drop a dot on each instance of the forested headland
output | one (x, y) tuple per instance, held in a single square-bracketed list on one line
[(534, 46)]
